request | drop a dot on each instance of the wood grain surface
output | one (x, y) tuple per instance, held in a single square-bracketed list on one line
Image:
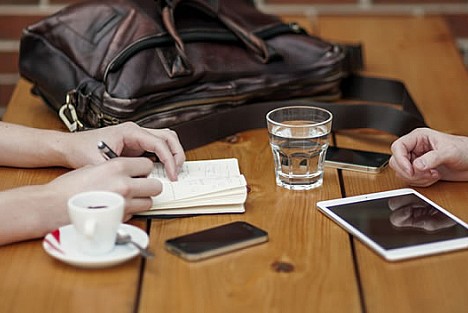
[(309, 264)]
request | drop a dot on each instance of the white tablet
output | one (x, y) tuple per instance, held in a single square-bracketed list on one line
[(398, 224)]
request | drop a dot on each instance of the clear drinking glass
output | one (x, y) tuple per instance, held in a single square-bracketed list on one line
[(299, 137)]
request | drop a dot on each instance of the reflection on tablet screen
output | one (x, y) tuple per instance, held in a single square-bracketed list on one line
[(400, 221)]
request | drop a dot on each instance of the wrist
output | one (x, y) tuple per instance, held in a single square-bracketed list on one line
[(37, 210), (61, 148)]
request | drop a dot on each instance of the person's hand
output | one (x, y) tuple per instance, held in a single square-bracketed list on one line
[(39, 209), (126, 176), (127, 140), (409, 212), (425, 156)]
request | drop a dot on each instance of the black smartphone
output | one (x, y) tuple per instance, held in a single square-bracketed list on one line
[(216, 241), (356, 160)]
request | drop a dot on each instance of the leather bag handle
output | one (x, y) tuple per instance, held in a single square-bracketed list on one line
[(254, 43), (180, 65)]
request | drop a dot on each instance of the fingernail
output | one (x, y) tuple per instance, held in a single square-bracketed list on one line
[(419, 164)]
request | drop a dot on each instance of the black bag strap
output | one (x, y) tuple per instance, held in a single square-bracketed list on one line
[(382, 114), (373, 89)]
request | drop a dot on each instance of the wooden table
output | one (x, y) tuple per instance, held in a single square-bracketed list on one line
[(326, 269)]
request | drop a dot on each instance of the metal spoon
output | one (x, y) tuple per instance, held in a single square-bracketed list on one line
[(124, 238)]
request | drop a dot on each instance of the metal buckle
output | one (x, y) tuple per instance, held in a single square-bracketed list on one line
[(71, 120)]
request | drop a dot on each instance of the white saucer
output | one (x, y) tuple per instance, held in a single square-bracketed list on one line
[(61, 244)]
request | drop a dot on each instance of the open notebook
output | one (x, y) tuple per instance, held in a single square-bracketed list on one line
[(203, 187)]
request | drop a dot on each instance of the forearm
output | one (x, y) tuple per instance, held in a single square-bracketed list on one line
[(456, 167), (29, 147), (29, 212)]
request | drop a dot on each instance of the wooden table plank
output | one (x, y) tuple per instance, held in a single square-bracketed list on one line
[(246, 281), (290, 217), (417, 50), (29, 110), (31, 280), (323, 277), (420, 52), (429, 284)]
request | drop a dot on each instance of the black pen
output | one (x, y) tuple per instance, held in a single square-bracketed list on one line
[(106, 152)]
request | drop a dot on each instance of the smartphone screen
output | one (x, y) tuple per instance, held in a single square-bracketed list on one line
[(217, 240), (357, 160)]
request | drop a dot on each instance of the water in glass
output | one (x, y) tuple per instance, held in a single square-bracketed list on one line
[(298, 155)]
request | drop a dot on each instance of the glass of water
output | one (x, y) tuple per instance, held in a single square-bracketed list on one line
[(299, 137)]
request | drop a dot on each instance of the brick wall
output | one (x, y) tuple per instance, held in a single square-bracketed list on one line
[(16, 14)]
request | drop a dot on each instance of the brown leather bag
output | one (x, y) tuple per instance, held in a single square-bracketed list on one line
[(166, 64)]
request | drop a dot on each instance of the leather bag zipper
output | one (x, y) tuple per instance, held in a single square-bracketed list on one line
[(106, 119), (197, 35)]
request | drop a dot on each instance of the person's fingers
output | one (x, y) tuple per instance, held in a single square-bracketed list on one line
[(165, 156), (135, 140), (174, 145), (172, 139), (411, 173), (163, 143), (401, 166), (402, 155), (133, 167), (142, 187), (137, 205), (401, 173), (419, 179), (429, 160), (426, 177)]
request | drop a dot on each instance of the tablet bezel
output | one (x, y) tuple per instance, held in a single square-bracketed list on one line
[(397, 254)]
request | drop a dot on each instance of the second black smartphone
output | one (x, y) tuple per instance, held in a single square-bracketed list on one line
[(217, 240), (357, 160)]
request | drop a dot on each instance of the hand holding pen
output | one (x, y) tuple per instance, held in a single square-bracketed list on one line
[(108, 154), (130, 140), (122, 237)]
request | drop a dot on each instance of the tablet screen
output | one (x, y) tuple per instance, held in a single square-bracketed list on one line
[(399, 221)]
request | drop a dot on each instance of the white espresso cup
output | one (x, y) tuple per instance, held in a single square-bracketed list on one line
[(96, 216)]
